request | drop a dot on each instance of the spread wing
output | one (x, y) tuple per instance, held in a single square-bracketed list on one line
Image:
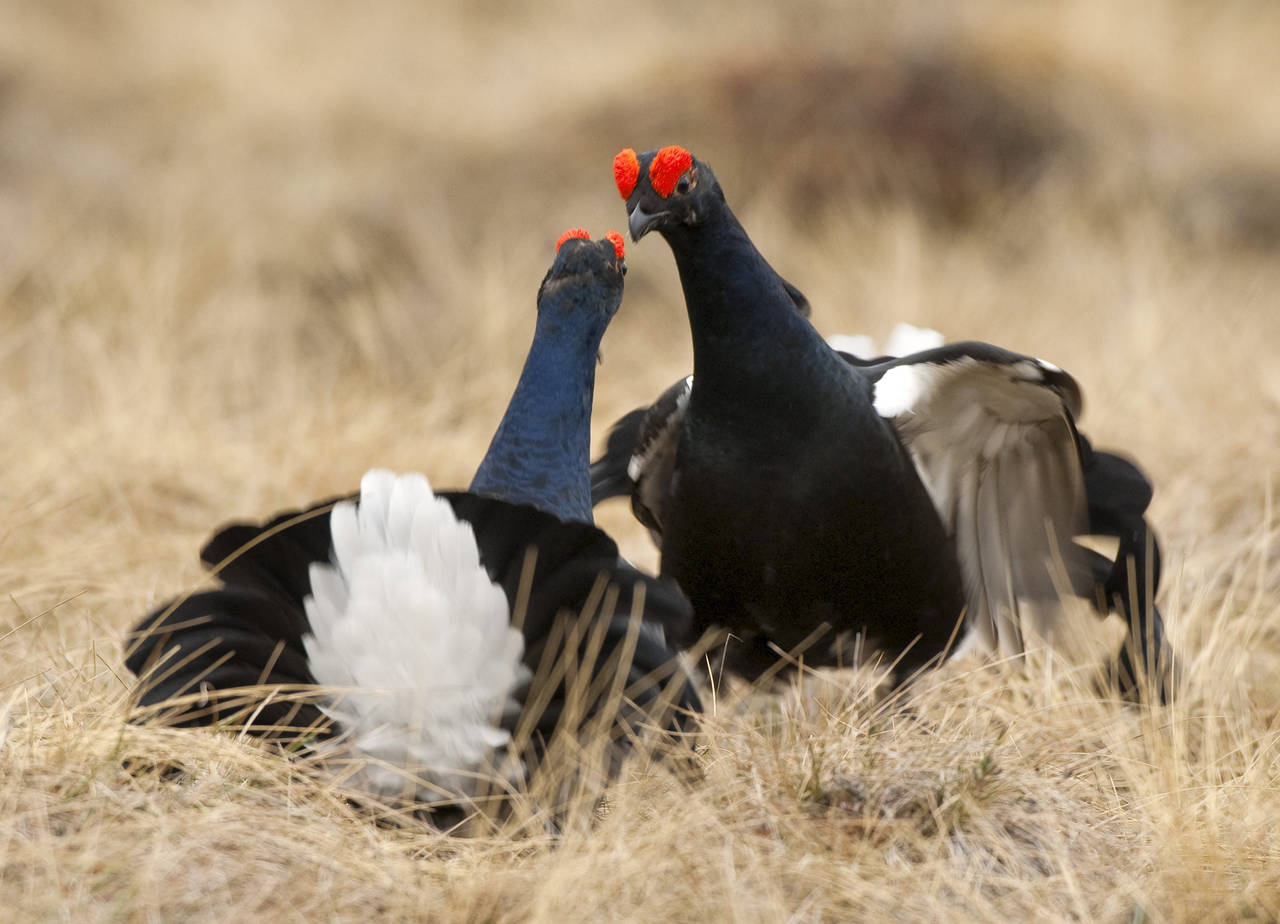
[(992, 434)]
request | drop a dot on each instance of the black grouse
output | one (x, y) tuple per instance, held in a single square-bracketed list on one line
[(790, 485), (433, 622)]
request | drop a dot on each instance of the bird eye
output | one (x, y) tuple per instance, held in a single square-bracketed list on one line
[(682, 186)]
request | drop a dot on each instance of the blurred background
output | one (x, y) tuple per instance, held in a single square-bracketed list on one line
[(249, 250)]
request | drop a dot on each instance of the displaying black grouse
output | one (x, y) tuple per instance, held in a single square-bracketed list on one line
[(790, 485), (433, 621)]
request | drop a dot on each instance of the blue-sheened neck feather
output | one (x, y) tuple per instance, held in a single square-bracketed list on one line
[(540, 452)]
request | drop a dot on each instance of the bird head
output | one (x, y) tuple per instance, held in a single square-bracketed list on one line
[(586, 278), (663, 189)]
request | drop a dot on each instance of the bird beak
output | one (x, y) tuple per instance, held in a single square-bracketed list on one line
[(641, 222)]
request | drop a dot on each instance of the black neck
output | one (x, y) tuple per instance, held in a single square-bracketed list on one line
[(743, 321)]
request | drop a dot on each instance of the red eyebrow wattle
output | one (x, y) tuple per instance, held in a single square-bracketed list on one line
[(668, 166), (614, 238), (626, 171), (570, 235)]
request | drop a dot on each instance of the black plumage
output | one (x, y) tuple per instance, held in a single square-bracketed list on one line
[(1118, 495), (792, 503), (247, 636), (798, 486), (491, 629)]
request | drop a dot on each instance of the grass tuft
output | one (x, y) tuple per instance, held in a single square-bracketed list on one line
[(247, 255)]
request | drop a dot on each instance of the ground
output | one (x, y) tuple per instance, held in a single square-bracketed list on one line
[(248, 251)]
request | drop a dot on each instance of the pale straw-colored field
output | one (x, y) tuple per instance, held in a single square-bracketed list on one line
[(248, 251)]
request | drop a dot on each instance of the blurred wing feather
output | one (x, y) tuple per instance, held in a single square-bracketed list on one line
[(993, 438)]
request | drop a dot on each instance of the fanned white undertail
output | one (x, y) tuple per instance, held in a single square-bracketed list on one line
[(407, 622), (904, 340)]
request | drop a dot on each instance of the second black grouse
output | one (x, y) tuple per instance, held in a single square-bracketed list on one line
[(793, 487)]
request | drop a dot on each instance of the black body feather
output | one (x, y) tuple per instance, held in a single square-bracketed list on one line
[(249, 632), (782, 500)]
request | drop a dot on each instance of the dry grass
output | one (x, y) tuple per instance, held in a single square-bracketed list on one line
[(248, 251)]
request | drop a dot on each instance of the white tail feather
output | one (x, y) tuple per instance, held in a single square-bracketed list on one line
[(408, 623), (904, 340)]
